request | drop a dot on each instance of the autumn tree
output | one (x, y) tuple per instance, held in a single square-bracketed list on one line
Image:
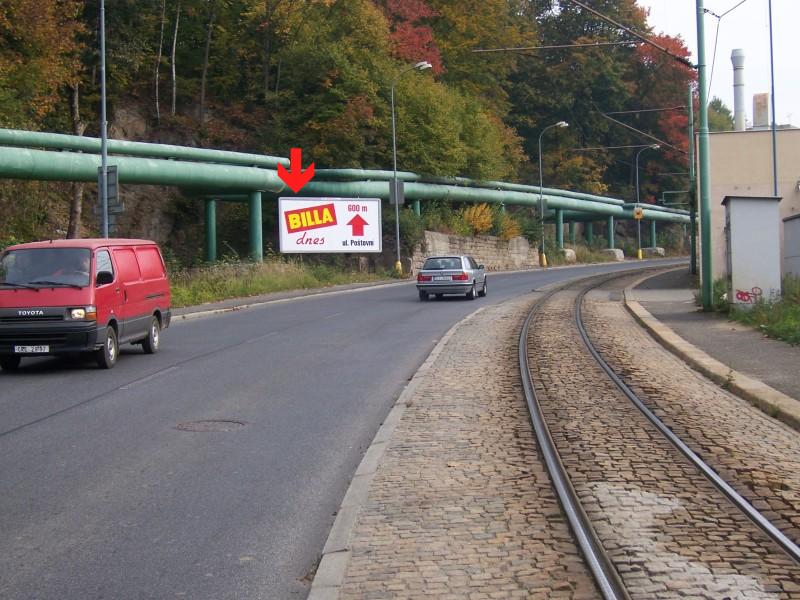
[(39, 57)]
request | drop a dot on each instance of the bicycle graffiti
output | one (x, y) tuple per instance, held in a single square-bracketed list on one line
[(751, 297)]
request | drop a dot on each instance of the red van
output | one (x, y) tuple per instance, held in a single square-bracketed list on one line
[(91, 295)]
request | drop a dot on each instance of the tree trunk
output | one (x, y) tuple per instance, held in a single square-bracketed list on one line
[(211, 16), (174, 46), (76, 203), (158, 58), (270, 6)]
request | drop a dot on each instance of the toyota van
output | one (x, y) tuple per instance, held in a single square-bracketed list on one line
[(81, 295)]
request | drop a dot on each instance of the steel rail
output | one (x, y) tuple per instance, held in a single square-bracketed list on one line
[(740, 502), (603, 571)]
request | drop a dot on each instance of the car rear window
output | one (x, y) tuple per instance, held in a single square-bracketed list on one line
[(439, 264)]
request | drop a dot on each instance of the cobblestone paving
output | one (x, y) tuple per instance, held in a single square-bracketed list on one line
[(758, 455), (461, 507), (666, 528)]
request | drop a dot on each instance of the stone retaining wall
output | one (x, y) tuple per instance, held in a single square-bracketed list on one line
[(496, 254)]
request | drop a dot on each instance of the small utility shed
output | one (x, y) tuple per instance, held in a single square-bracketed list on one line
[(752, 239), (791, 246)]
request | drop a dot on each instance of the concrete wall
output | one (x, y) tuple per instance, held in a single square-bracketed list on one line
[(496, 254), (791, 246), (741, 165)]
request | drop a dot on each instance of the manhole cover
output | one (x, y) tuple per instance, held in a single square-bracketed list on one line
[(210, 425)]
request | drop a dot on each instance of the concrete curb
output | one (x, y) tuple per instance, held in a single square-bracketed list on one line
[(767, 399), (336, 552)]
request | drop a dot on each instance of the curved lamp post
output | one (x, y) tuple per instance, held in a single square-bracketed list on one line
[(639, 221), (420, 66), (542, 256)]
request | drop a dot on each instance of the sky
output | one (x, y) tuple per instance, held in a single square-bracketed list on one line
[(745, 27)]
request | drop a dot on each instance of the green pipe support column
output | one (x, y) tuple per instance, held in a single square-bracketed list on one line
[(211, 229), (589, 233), (610, 235), (417, 210), (256, 238), (560, 228), (653, 243), (572, 232)]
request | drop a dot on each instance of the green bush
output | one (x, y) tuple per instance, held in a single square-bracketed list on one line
[(238, 280)]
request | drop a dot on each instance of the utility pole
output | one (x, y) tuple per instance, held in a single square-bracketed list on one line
[(704, 162), (692, 186), (103, 123)]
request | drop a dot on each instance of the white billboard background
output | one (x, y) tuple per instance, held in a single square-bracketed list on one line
[(331, 225)]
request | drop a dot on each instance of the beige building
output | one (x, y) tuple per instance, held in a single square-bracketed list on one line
[(741, 165)]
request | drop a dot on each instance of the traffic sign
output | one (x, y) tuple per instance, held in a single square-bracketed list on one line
[(330, 225), (638, 213)]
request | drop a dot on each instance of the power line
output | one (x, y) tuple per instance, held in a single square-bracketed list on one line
[(644, 110), (680, 59), (607, 147), (558, 46), (640, 132)]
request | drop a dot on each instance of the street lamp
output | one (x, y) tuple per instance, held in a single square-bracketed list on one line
[(420, 66), (639, 221), (542, 256)]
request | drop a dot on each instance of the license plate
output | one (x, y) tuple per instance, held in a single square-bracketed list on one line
[(442, 278), (31, 349)]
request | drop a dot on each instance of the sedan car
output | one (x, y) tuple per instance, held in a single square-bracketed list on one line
[(451, 275)]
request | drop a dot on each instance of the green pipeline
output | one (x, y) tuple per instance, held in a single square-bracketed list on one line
[(432, 191), (355, 175), (24, 163), (58, 141)]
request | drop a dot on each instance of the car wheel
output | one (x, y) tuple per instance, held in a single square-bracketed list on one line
[(485, 289), (471, 293), (150, 343), (423, 296), (10, 362), (107, 355)]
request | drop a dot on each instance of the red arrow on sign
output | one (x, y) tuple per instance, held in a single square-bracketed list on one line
[(357, 223), (296, 178)]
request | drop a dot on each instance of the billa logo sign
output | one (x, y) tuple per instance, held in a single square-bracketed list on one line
[(314, 217), (340, 225)]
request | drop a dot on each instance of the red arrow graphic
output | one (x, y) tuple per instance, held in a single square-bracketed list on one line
[(357, 223), (296, 178)]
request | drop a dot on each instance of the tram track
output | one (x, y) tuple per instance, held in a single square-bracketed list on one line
[(604, 456)]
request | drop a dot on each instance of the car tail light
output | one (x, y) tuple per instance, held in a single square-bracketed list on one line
[(422, 277), (460, 277)]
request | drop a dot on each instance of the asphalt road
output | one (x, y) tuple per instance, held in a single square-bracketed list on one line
[(108, 491)]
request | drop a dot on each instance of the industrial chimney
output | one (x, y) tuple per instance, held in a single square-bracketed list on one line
[(737, 58)]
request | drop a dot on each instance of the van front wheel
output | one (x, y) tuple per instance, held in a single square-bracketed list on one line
[(107, 355), (150, 343)]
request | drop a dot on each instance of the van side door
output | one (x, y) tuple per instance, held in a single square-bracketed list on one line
[(108, 296), (135, 317)]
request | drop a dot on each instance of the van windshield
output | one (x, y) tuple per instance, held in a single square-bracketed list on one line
[(45, 267)]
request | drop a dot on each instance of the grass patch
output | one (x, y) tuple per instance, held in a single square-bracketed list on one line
[(779, 319), (238, 280)]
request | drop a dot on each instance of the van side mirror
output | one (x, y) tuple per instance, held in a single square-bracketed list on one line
[(105, 277)]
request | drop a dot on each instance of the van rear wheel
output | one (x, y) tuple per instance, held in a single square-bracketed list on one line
[(10, 362), (107, 355), (151, 342)]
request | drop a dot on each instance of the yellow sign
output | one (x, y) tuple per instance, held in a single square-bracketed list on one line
[(638, 213)]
